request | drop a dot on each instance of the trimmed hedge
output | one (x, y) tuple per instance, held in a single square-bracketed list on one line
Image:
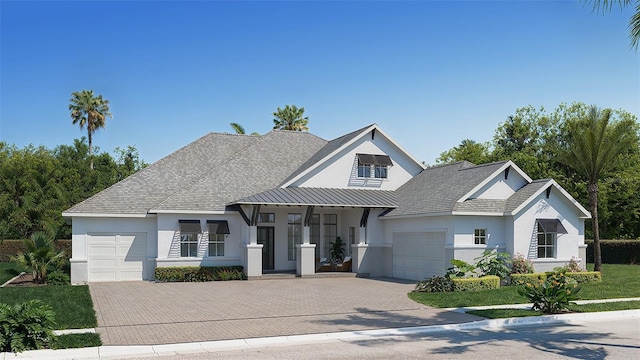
[(475, 284), (582, 277), (521, 279), (199, 273), (11, 248), (616, 251)]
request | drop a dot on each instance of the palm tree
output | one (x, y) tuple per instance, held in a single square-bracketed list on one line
[(90, 111), (592, 149), (240, 130), (40, 255), (634, 22), (290, 118)]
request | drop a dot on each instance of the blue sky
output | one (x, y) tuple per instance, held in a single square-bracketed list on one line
[(429, 73)]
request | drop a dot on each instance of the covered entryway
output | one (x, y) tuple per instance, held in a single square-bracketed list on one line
[(117, 257), (417, 255)]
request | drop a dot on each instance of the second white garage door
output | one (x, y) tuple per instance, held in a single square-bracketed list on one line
[(117, 257), (418, 255)]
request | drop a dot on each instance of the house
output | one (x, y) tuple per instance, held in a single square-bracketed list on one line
[(275, 202)]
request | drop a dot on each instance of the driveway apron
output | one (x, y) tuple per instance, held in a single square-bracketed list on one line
[(147, 313)]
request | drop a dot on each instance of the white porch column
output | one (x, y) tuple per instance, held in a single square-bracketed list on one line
[(360, 264), (306, 235), (254, 260), (362, 236), (253, 254), (305, 259)]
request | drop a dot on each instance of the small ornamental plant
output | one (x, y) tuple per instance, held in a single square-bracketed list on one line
[(521, 265), (553, 295)]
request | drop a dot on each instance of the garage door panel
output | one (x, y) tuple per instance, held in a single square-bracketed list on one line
[(418, 255), (117, 257)]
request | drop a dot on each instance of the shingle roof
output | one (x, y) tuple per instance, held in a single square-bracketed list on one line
[(523, 194), (324, 197), (207, 174), (437, 189)]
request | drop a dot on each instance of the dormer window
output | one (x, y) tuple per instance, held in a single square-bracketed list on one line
[(380, 171), (379, 163), (364, 170)]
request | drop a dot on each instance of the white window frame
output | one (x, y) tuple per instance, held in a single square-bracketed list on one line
[(364, 170), (381, 171), (214, 241), (189, 239), (548, 246), (480, 236)]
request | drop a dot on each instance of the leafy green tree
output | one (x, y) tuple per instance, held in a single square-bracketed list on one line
[(594, 146), (128, 161), (531, 138), (40, 256), (469, 150), (522, 139), (37, 184), (634, 22), (290, 118), (90, 111)]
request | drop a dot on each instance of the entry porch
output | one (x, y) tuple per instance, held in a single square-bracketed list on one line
[(292, 230)]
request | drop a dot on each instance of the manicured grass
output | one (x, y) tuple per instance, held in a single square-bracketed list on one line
[(618, 281), (72, 304), (509, 313), (612, 306), (8, 270), (72, 341)]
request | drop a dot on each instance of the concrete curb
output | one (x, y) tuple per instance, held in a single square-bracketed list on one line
[(122, 352), (528, 306), (74, 331)]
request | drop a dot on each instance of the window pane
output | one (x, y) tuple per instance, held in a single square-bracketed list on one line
[(381, 171), (266, 217), (184, 250)]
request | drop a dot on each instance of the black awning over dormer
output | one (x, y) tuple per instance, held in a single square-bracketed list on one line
[(371, 159)]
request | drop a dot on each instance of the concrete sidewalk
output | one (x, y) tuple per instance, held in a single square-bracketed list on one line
[(127, 352)]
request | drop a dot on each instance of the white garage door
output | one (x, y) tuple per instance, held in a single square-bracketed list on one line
[(117, 257), (418, 255)]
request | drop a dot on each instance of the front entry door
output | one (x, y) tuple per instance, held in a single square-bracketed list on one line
[(266, 238)]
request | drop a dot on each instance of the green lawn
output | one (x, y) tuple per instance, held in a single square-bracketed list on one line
[(71, 341), (618, 281), (72, 304), (509, 313), (8, 270)]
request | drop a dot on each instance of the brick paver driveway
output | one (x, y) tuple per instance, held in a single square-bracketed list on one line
[(137, 313)]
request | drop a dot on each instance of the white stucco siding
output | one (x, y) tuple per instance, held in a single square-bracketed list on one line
[(501, 188), (464, 247), (168, 243), (102, 228), (338, 171), (554, 207)]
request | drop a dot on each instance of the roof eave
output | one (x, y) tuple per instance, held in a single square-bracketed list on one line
[(376, 206), (585, 213), (105, 215)]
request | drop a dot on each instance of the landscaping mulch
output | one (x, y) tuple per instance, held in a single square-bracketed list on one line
[(25, 279)]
